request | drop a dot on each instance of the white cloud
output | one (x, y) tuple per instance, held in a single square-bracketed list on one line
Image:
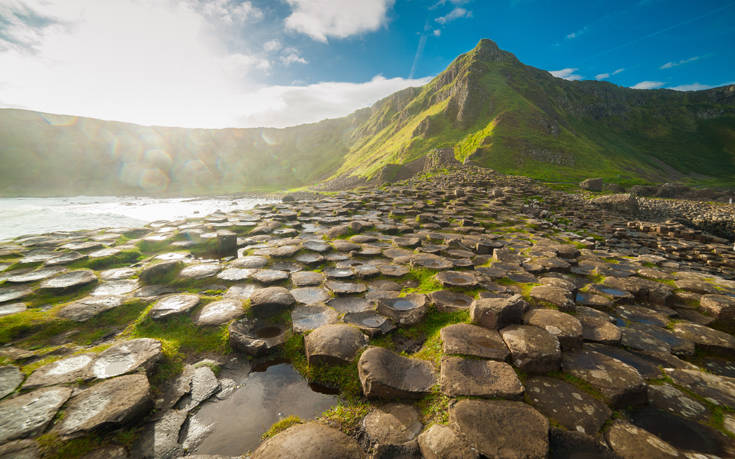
[(567, 74), (272, 45), (321, 19), (281, 106), (291, 55), (673, 64), (648, 85), (691, 87), (603, 76), (578, 33), (456, 13), (228, 11), (437, 32)]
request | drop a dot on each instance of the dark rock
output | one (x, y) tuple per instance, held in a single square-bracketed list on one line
[(449, 301), (125, 357), (61, 371), (219, 312), (391, 428), (107, 404), (629, 441), (441, 442), (566, 327), (334, 344), (312, 440), (156, 272), (500, 428), (591, 184), (385, 374), (173, 305), (270, 301), (407, 310), (30, 413), (257, 336), (497, 313), (532, 349), (68, 282), (619, 383), (480, 378), (306, 318), (567, 405), (468, 339)]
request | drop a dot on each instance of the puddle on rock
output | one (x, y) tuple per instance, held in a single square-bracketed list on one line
[(267, 394)]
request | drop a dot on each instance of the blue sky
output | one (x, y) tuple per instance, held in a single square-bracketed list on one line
[(219, 63)]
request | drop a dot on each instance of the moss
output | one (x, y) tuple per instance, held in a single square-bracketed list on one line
[(347, 415), (280, 426), (54, 447), (434, 408), (425, 278), (339, 377)]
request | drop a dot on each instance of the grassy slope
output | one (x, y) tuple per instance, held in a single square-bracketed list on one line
[(486, 105)]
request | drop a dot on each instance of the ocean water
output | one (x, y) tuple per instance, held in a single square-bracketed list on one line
[(22, 216)]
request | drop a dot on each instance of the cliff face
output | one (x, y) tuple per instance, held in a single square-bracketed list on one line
[(486, 106)]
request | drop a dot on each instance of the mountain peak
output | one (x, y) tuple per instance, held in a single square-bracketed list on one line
[(488, 50)]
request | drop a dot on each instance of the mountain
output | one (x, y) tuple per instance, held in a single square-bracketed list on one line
[(486, 107)]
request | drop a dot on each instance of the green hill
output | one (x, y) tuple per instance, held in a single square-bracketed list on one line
[(486, 106)]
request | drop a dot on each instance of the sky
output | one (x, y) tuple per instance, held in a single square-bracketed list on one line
[(235, 63)]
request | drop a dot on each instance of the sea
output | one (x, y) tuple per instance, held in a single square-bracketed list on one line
[(25, 216)]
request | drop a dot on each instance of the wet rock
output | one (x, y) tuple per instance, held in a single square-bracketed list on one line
[(719, 390), (250, 262), (566, 404), (161, 439), (468, 339), (30, 413), (500, 428), (407, 310), (348, 304), (497, 313), (566, 327), (236, 274), (480, 378), (12, 308), (199, 271), (449, 301), (241, 292), (312, 440), (125, 357), (393, 270), (430, 261), (705, 338), (441, 442), (557, 296), (640, 340), (629, 441), (158, 271), (116, 288), (270, 301), (86, 308), (345, 288), (385, 374), (334, 344), (306, 318), (369, 322), (117, 274), (392, 430), (10, 379), (13, 293), (457, 279), (270, 276), (33, 276), (306, 278), (620, 384), (310, 295), (68, 282), (219, 312), (532, 349), (257, 336), (110, 403), (173, 305), (61, 371), (668, 398), (203, 385)]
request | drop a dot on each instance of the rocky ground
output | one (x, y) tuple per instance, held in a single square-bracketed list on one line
[(465, 315)]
